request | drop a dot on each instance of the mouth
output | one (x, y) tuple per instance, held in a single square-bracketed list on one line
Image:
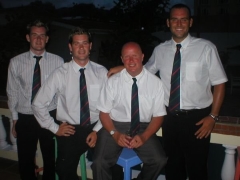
[(179, 29)]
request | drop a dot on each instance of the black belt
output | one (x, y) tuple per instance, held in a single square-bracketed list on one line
[(185, 112)]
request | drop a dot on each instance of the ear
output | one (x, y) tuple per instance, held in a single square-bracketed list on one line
[(47, 38), (70, 47), (28, 37), (191, 22), (167, 22), (122, 59), (142, 57), (90, 46)]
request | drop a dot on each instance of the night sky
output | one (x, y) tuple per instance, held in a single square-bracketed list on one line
[(63, 3)]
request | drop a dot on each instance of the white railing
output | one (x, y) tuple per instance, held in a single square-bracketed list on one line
[(3, 143)]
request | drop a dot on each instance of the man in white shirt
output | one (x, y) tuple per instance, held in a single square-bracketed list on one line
[(19, 91), (186, 131), (73, 136), (115, 106)]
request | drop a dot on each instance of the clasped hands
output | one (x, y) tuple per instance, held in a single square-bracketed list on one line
[(124, 140)]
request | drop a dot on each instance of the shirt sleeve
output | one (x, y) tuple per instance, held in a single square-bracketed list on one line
[(12, 90), (42, 101), (159, 108), (151, 64), (105, 102), (217, 74)]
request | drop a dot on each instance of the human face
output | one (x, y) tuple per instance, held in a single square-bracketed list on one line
[(37, 39), (179, 23), (80, 49), (132, 58)]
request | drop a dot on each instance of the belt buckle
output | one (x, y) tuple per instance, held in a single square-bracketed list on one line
[(181, 112)]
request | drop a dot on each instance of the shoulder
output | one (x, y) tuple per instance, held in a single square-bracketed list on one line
[(162, 47), (115, 79), (151, 76), (164, 44), (98, 68), (198, 42), (151, 80), (24, 55), (54, 57)]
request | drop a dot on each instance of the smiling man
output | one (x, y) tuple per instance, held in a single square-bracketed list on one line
[(22, 87), (189, 68), (132, 111), (78, 85), (192, 112)]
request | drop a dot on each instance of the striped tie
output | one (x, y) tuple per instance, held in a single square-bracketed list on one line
[(36, 78), (174, 100), (84, 109), (135, 119)]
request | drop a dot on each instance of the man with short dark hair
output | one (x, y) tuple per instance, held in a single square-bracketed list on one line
[(78, 85), (20, 92)]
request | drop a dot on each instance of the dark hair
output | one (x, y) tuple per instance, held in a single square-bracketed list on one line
[(79, 31), (37, 23), (179, 6)]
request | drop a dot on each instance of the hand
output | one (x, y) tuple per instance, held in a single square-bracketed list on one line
[(114, 70), (122, 139), (14, 133), (92, 139), (206, 128), (137, 141), (65, 130)]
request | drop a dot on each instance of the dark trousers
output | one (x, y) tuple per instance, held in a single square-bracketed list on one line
[(187, 155), (69, 151), (107, 152), (29, 133)]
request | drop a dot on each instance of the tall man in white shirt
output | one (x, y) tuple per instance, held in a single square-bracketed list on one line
[(73, 138), (186, 131), (115, 106), (19, 91)]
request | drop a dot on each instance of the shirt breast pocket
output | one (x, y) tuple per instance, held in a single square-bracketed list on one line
[(193, 71), (94, 92)]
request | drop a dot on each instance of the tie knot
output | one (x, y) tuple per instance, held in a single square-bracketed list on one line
[(179, 46), (134, 80), (38, 57), (82, 70)]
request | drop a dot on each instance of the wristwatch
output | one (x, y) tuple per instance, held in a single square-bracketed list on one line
[(216, 118), (112, 132)]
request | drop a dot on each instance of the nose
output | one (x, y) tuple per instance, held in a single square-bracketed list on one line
[(131, 59), (39, 37), (81, 46), (179, 22)]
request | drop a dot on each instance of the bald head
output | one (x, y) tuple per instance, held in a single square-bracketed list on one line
[(132, 58)]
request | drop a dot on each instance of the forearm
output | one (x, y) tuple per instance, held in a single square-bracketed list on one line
[(218, 97), (114, 70), (106, 121), (153, 127)]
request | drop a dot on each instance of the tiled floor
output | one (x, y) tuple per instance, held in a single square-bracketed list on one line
[(9, 170)]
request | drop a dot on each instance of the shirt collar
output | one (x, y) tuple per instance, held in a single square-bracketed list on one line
[(31, 54), (76, 67), (128, 77), (184, 43)]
